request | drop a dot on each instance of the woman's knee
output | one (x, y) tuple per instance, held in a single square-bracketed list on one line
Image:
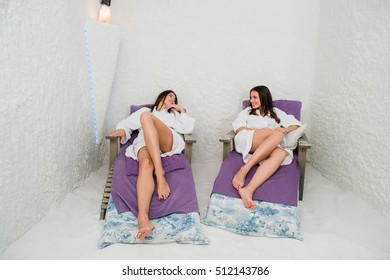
[(266, 130), (279, 153), (261, 134), (277, 136), (145, 165), (146, 117)]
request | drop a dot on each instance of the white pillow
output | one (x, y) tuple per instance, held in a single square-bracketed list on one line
[(290, 140)]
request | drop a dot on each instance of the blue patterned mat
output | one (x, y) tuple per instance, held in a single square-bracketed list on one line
[(267, 219), (123, 228)]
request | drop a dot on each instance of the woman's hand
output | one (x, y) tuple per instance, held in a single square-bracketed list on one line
[(119, 133), (287, 129), (177, 107), (281, 129)]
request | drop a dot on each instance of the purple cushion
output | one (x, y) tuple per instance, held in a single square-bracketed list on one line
[(290, 107), (182, 198), (134, 108), (281, 187)]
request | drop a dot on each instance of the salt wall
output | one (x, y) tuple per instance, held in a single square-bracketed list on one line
[(52, 54), (351, 99)]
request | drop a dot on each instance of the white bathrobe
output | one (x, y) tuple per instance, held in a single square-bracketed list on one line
[(177, 122), (243, 140)]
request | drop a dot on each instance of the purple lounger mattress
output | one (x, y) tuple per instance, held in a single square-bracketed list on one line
[(281, 188), (182, 198)]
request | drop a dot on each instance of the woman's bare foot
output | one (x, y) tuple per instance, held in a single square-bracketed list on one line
[(239, 179), (163, 189), (246, 197), (144, 229)]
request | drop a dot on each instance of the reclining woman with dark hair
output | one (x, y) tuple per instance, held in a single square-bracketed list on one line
[(259, 130), (158, 137)]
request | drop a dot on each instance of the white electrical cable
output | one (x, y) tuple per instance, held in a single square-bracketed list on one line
[(91, 90)]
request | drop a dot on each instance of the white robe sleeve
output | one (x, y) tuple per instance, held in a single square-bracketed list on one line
[(184, 123), (131, 123), (241, 119), (286, 120)]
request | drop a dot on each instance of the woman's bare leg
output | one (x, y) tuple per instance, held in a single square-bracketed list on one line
[(264, 142), (158, 137), (145, 189), (266, 169)]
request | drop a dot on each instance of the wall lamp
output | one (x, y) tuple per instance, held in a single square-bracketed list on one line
[(105, 12)]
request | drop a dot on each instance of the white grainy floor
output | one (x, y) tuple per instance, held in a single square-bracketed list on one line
[(336, 225)]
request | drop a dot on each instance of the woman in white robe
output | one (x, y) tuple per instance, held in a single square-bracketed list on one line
[(259, 130), (158, 136)]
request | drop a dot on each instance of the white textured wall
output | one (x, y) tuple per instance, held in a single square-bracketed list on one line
[(351, 100), (47, 142), (211, 53)]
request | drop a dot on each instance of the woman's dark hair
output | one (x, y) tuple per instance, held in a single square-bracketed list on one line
[(162, 96), (266, 106)]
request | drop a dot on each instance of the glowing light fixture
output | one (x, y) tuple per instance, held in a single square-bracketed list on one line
[(105, 11)]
